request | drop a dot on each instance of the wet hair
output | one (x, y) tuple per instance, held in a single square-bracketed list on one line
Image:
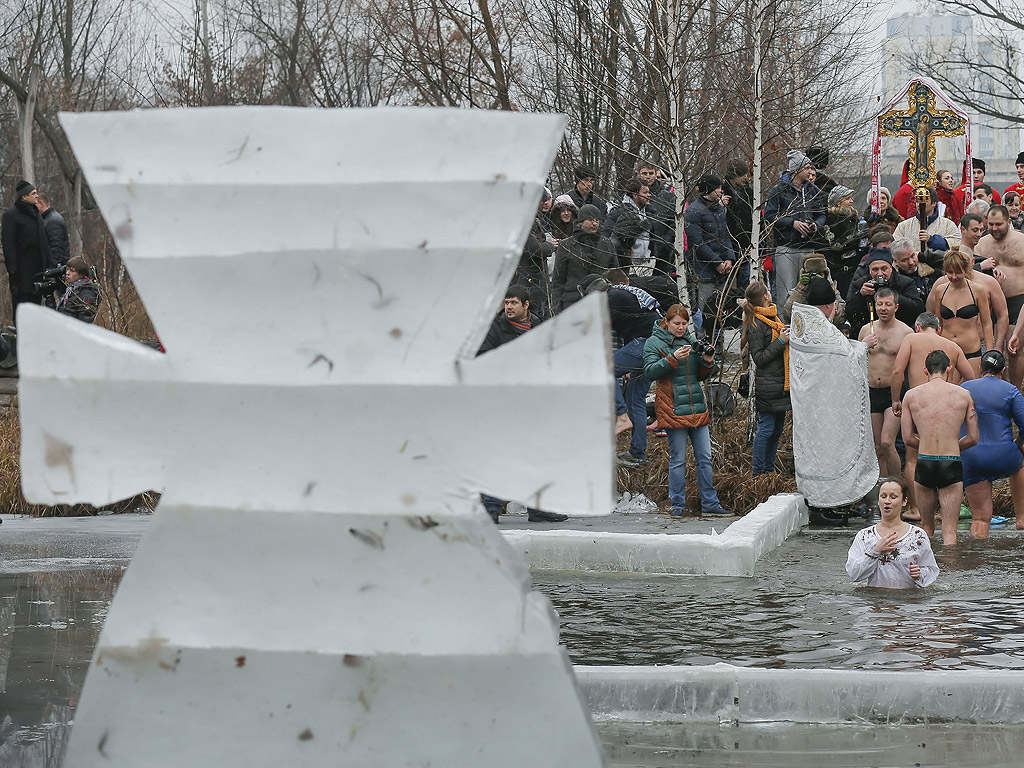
[(927, 320), (967, 218), (956, 260), (881, 293), (754, 295), (999, 209), (993, 362), (676, 310), (902, 483), (616, 277), (936, 362), (514, 292)]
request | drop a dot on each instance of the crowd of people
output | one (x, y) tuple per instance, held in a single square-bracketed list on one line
[(939, 272)]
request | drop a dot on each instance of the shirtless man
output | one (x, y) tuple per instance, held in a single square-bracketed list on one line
[(884, 342), (914, 349), (1002, 251), (932, 416)]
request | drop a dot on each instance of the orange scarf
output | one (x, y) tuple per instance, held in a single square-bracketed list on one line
[(770, 316)]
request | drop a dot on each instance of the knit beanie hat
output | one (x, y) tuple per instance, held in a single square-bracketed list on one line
[(879, 254), (589, 211), (838, 193), (797, 160), (820, 292), (23, 188), (708, 183), (564, 200)]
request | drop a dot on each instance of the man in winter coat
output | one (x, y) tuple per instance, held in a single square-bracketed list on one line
[(795, 213), (583, 193), (708, 238), (512, 322), (585, 253), (739, 202), (56, 231), (25, 245), (881, 274), (630, 232)]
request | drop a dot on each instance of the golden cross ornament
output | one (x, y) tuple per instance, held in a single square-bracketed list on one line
[(922, 122)]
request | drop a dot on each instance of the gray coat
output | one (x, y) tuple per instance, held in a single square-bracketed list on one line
[(770, 395)]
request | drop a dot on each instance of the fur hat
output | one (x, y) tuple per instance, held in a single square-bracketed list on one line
[(23, 188), (815, 264), (838, 193), (820, 292), (589, 211), (1020, 159), (977, 162), (797, 160)]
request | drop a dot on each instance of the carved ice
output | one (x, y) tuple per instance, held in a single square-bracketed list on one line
[(319, 585)]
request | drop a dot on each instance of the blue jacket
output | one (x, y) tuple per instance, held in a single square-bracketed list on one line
[(787, 204)]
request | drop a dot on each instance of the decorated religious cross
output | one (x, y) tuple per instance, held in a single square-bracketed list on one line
[(319, 585), (923, 121)]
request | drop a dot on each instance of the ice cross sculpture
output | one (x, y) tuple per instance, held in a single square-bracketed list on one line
[(320, 585)]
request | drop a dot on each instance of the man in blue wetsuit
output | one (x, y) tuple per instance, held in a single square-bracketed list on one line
[(997, 455)]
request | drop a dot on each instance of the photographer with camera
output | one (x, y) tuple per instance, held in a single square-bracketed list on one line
[(814, 265), (25, 244), (677, 362), (81, 297), (860, 300)]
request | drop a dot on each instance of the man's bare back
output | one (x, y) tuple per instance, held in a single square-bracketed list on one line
[(883, 346), (910, 360), (937, 409)]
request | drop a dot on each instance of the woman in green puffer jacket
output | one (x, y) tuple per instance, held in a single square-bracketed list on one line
[(676, 369)]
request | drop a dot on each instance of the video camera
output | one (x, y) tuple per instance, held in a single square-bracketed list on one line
[(49, 280)]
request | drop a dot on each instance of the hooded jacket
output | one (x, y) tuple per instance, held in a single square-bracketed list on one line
[(678, 397)]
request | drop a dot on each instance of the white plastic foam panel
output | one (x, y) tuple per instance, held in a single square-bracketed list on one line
[(320, 585), (734, 552), (726, 694)]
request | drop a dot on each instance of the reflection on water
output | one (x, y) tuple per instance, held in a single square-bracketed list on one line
[(800, 610), (49, 625)]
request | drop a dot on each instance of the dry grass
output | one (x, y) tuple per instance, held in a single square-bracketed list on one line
[(731, 458), (13, 502)]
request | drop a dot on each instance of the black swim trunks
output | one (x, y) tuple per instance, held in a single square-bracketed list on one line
[(880, 397), (938, 471), (973, 354), (1013, 305)]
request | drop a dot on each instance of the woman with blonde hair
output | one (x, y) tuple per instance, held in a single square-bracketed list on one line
[(676, 368), (768, 341), (962, 306)]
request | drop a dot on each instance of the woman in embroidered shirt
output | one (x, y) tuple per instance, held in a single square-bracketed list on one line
[(768, 340), (893, 553)]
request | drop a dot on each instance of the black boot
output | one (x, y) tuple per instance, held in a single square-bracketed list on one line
[(539, 516)]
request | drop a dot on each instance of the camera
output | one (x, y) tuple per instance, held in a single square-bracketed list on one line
[(49, 280), (703, 348), (879, 282)]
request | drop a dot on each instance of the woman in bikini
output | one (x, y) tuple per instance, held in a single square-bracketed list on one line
[(963, 307)]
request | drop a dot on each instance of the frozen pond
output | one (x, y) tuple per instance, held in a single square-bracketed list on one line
[(57, 580)]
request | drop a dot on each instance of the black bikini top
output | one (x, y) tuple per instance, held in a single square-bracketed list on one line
[(966, 312)]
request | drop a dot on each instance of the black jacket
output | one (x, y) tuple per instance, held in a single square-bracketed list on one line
[(25, 245), (57, 235), (740, 214), (629, 319), (591, 199), (910, 306), (502, 332), (770, 395), (661, 212), (575, 258), (629, 224), (81, 299), (707, 236), (786, 204)]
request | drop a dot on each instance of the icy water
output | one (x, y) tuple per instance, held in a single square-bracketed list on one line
[(800, 610)]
